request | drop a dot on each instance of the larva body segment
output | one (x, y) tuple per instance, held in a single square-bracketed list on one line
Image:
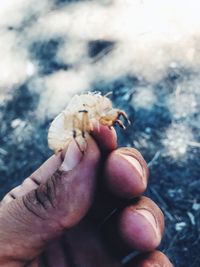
[(59, 133), (76, 121)]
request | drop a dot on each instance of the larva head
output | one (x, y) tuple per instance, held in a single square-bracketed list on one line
[(112, 117), (109, 118)]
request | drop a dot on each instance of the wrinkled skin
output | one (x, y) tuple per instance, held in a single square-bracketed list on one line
[(83, 210)]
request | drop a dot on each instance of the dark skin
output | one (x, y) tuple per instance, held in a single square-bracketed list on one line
[(77, 210)]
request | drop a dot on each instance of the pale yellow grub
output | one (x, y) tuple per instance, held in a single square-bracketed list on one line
[(76, 121)]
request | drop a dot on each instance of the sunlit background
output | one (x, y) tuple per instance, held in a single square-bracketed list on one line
[(147, 53)]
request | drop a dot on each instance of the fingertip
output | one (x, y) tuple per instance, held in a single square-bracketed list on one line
[(126, 173), (141, 225), (105, 137)]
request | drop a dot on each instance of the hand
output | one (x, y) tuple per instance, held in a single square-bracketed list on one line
[(76, 210)]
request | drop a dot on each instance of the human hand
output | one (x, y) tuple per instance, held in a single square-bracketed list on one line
[(74, 211)]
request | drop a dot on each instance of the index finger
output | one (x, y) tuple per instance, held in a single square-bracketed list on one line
[(126, 172)]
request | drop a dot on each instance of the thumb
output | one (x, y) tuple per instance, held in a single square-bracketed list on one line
[(31, 220)]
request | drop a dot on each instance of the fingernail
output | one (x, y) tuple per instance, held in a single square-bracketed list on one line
[(131, 157), (72, 158), (150, 218)]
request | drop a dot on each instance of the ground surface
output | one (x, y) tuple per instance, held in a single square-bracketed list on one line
[(165, 127)]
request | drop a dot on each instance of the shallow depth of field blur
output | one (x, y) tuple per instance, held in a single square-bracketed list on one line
[(147, 53)]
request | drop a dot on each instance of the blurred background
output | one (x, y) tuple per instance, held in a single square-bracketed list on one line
[(145, 52)]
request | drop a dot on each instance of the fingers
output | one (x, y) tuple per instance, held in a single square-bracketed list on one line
[(141, 225), (43, 213), (152, 259), (126, 173)]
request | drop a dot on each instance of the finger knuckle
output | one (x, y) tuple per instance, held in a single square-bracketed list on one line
[(42, 200)]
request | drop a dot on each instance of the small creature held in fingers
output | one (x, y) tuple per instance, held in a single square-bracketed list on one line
[(76, 121)]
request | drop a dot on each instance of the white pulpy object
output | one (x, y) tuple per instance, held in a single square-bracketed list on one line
[(76, 121)]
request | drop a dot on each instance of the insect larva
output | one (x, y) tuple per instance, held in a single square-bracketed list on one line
[(76, 121)]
